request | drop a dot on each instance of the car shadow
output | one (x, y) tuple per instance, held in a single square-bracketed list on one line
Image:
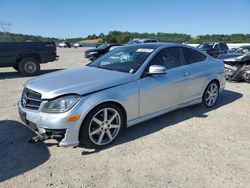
[(17, 156), (169, 119), (15, 74)]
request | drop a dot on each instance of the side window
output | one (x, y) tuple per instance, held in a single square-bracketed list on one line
[(223, 47), (216, 46), (192, 56), (168, 57)]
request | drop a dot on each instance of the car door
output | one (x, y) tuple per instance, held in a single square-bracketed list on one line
[(8, 54), (199, 66), (161, 92)]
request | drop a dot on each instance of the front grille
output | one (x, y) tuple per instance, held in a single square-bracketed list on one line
[(31, 99)]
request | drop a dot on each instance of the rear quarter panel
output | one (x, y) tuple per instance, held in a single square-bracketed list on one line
[(205, 72)]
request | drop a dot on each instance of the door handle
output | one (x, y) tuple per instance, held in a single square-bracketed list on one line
[(186, 73)]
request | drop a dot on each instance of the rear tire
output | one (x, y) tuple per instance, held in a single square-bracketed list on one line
[(29, 66), (210, 94), (102, 126)]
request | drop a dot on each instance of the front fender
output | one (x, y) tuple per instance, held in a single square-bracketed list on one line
[(127, 95)]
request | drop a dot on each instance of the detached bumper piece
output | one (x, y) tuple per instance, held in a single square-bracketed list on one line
[(57, 134)]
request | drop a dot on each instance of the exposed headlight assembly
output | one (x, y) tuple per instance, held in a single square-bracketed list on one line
[(60, 105)]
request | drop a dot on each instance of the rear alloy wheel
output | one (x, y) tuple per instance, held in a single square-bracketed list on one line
[(102, 126), (211, 94), (29, 66)]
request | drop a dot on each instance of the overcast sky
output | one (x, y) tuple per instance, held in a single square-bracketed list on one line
[(79, 18)]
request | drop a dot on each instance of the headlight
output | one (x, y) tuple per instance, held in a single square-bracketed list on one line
[(61, 104)]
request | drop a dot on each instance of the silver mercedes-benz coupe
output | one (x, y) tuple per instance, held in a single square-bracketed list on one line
[(91, 105)]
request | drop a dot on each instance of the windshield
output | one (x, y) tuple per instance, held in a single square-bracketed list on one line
[(242, 51), (206, 46), (123, 59), (103, 46)]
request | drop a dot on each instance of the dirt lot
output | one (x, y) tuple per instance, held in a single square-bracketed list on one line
[(192, 147)]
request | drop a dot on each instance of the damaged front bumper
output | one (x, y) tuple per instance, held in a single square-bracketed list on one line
[(52, 126)]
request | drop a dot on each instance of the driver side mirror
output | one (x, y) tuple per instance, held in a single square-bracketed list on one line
[(156, 70)]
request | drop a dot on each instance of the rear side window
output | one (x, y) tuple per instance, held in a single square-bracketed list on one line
[(192, 56), (223, 47)]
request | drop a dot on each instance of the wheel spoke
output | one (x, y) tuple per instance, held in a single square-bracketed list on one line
[(209, 92), (211, 101), (214, 99), (214, 89), (109, 135), (95, 132), (208, 98), (105, 115), (100, 137), (113, 117), (114, 126), (99, 122)]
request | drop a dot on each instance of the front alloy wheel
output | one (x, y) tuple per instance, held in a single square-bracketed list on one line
[(211, 94), (102, 126)]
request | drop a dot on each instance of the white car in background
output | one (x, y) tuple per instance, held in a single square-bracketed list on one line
[(77, 44), (64, 45)]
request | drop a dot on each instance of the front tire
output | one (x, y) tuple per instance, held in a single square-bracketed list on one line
[(102, 126), (29, 66), (210, 94)]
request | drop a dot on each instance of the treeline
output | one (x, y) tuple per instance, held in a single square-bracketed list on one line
[(13, 37), (233, 38), (124, 37)]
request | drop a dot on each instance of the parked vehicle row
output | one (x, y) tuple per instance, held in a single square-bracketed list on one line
[(26, 57), (99, 51), (64, 45), (69, 45), (104, 48), (214, 48), (126, 86)]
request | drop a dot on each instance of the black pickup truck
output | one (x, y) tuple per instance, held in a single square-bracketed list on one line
[(26, 57)]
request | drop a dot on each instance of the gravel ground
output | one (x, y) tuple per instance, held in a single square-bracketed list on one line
[(192, 147)]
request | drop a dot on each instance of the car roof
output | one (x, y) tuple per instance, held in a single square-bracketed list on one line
[(245, 46), (211, 42), (155, 45)]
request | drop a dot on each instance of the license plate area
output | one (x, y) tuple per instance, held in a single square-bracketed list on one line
[(27, 123)]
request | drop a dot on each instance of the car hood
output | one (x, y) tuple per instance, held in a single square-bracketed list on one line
[(226, 56), (234, 57), (79, 81), (93, 50)]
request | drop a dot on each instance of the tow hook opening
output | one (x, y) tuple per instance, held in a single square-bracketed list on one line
[(57, 134)]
